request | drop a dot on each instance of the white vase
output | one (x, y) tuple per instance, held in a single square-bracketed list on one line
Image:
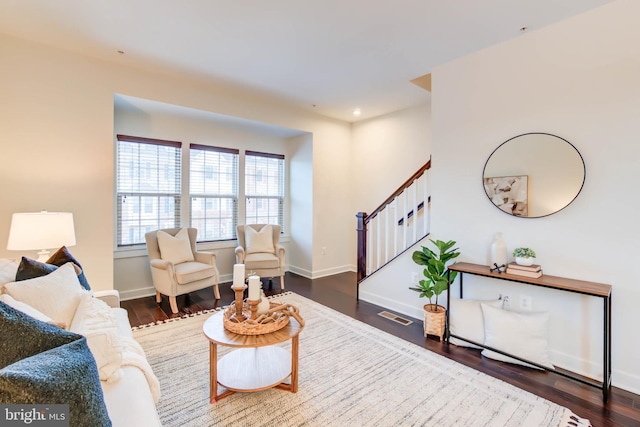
[(524, 261), (498, 251)]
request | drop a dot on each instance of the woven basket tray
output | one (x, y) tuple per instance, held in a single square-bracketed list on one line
[(276, 318)]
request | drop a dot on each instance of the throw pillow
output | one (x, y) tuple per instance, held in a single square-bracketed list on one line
[(63, 256), (8, 269), (30, 269), (521, 334), (260, 240), (25, 308), (48, 364), (95, 320), (467, 320), (57, 294), (176, 249)]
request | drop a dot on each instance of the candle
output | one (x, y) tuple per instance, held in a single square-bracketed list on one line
[(238, 275), (254, 288)]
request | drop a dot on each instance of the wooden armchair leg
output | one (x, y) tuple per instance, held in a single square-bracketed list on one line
[(216, 291), (173, 304), (158, 297), (282, 282)]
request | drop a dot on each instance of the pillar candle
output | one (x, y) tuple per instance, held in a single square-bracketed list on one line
[(254, 288), (238, 275)]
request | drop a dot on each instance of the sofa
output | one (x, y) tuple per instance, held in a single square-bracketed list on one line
[(57, 305)]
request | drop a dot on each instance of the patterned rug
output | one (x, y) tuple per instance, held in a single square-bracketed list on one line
[(351, 374)]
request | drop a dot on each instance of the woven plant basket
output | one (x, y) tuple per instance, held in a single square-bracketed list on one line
[(434, 320)]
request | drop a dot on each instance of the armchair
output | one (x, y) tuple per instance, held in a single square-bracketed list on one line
[(181, 269), (260, 251)]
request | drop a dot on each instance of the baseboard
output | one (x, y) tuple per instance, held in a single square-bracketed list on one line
[(593, 369), (137, 293), (331, 271), (406, 309), (300, 271)]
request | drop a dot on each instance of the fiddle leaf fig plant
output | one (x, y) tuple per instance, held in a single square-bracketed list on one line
[(435, 271)]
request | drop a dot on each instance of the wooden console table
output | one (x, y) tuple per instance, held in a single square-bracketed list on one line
[(598, 290)]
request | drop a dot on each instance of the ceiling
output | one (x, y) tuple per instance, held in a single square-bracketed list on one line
[(329, 56)]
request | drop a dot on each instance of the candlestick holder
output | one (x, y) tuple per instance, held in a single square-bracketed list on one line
[(253, 306), (239, 316)]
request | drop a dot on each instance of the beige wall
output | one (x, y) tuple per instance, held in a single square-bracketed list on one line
[(57, 138), (579, 80)]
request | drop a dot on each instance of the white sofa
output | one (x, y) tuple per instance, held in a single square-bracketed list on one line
[(129, 392)]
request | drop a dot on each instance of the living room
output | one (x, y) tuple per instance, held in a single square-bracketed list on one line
[(576, 78)]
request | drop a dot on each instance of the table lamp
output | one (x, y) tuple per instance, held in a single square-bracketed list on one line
[(41, 230)]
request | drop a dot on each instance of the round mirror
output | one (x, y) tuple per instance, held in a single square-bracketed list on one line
[(533, 175)]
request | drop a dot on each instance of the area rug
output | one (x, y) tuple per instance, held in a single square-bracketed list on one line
[(351, 374)]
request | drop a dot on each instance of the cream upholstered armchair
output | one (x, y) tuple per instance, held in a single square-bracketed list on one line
[(177, 268), (260, 251)]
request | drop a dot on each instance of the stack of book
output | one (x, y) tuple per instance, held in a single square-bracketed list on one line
[(534, 271)]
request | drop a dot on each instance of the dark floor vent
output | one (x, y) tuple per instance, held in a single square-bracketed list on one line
[(395, 318)]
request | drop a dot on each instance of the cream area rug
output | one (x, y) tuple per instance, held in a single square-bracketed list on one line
[(350, 374)]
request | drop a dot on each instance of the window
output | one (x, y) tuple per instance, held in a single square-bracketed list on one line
[(213, 191), (264, 188), (148, 187)]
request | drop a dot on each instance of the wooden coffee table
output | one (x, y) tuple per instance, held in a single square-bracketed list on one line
[(257, 364)]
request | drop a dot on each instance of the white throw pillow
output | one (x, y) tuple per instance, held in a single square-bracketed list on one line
[(467, 320), (176, 249), (8, 270), (56, 295), (259, 241), (25, 308), (521, 334), (95, 320)]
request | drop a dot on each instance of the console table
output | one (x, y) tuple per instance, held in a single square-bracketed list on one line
[(593, 289)]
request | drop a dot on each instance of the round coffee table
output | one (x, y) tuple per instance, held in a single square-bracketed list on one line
[(257, 364)]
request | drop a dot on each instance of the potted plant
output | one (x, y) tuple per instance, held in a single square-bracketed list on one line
[(524, 256), (435, 282)]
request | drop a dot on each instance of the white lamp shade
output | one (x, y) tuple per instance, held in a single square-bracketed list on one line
[(41, 230)]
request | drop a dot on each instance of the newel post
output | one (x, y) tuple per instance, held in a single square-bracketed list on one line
[(362, 250)]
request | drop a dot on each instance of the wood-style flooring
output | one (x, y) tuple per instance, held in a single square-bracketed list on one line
[(338, 292)]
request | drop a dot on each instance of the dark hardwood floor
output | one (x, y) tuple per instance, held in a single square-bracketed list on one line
[(338, 292)]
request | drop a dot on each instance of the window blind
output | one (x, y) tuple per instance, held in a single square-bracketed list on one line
[(213, 191), (264, 188), (148, 187)]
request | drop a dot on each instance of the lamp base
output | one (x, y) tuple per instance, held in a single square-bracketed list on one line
[(43, 255)]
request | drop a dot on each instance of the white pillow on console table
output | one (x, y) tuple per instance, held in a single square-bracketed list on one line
[(176, 249), (466, 320), (522, 334), (56, 295)]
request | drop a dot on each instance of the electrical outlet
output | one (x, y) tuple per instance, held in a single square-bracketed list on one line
[(505, 301), (525, 303), (324, 250), (414, 278)]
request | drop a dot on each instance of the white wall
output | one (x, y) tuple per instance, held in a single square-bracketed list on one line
[(57, 139), (387, 150), (300, 154), (577, 79)]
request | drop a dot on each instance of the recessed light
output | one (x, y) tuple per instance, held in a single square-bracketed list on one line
[(356, 112)]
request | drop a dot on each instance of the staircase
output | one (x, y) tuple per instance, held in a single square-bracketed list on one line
[(396, 225)]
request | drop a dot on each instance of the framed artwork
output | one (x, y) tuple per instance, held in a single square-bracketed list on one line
[(509, 193)]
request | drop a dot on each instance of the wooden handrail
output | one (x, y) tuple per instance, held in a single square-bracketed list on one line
[(364, 219), (400, 189)]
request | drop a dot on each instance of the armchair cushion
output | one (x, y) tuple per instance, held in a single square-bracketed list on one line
[(259, 241), (262, 260), (188, 272), (175, 249)]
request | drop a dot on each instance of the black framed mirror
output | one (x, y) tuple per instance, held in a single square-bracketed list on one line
[(533, 175)]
